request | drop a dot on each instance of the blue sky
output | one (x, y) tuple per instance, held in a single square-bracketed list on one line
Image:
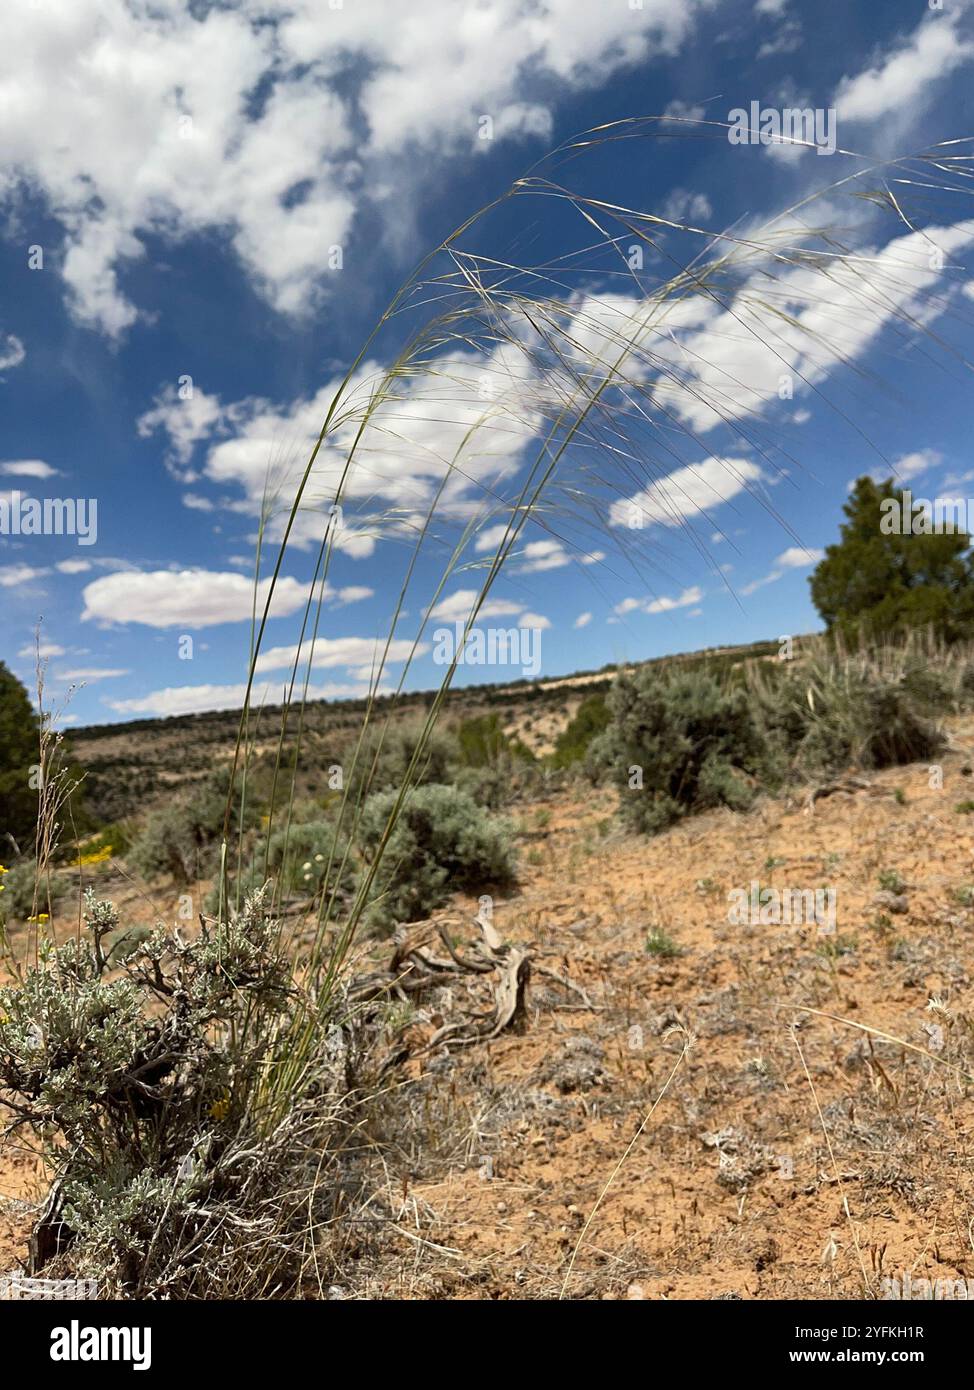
[(192, 174)]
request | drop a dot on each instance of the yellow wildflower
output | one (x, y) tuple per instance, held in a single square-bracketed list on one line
[(98, 856), (220, 1108)]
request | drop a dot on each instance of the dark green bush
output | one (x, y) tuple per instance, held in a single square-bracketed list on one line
[(494, 768), (19, 749), (590, 719)]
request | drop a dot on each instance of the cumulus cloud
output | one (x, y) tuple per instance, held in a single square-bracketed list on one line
[(915, 464), (447, 433), (185, 598), (28, 468), (904, 78), (268, 120), (682, 205), (186, 414), (718, 365), (903, 469), (197, 699), (536, 620), (47, 649), (536, 556), (466, 426), (582, 620), (12, 575), (795, 557), (544, 555), (666, 604), (684, 111), (363, 653), (458, 606), (686, 494)]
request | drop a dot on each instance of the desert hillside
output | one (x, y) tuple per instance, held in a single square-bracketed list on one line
[(704, 1109)]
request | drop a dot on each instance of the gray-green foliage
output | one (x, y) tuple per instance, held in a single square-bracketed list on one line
[(388, 754), (303, 860), (138, 1071), (691, 744), (181, 840), (698, 742), (442, 842)]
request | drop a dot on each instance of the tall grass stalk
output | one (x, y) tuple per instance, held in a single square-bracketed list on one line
[(596, 387)]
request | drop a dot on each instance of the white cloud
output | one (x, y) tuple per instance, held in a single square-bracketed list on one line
[(73, 566), (914, 465), (92, 673), (796, 558), (905, 468), (582, 620), (47, 649), (684, 600), (457, 607), (787, 40), (185, 598), (544, 555), (428, 427), (727, 364), (361, 652), (491, 537), (666, 604), (186, 418), (684, 111), (12, 575), (547, 554), (28, 468), (12, 350), (756, 584), (467, 424), (682, 205), (903, 79), (687, 493), (196, 699), (268, 120)]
